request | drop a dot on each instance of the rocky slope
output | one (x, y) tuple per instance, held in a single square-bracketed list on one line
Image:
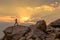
[(39, 31)]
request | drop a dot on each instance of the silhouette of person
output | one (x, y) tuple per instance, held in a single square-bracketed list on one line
[(16, 22)]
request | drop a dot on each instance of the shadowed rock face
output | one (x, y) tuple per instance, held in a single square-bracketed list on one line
[(41, 25)]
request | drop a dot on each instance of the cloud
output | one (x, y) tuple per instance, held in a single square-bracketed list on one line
[(5, 19), (47, 13), (25, 12), (47, 8), (29, 8), (43, 10), (27, 2), (35, 2), (19, 7)]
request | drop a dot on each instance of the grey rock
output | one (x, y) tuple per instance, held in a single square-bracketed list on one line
[(41, 25)]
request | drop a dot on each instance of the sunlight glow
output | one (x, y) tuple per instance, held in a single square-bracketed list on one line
[(23, 19)]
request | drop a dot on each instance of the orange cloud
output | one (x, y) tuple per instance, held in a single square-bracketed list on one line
[(11, 19), (47, 8), (27, 12), (5, 19)]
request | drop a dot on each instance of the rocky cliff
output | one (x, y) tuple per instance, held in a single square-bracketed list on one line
[(39, 31)]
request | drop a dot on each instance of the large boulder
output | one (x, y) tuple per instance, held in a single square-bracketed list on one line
[(15, 32), (23, 33), (41, 25)]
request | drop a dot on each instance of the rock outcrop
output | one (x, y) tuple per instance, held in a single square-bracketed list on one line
[(41, 25), (19, 32), (15, 32), (39, 31)]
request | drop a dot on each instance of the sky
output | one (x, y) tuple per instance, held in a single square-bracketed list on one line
[(28, 11)]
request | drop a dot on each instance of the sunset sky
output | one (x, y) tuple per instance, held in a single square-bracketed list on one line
[(27, 11)]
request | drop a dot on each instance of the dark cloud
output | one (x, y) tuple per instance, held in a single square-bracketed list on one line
[(57, 1), (35, 2), (27, 2)]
